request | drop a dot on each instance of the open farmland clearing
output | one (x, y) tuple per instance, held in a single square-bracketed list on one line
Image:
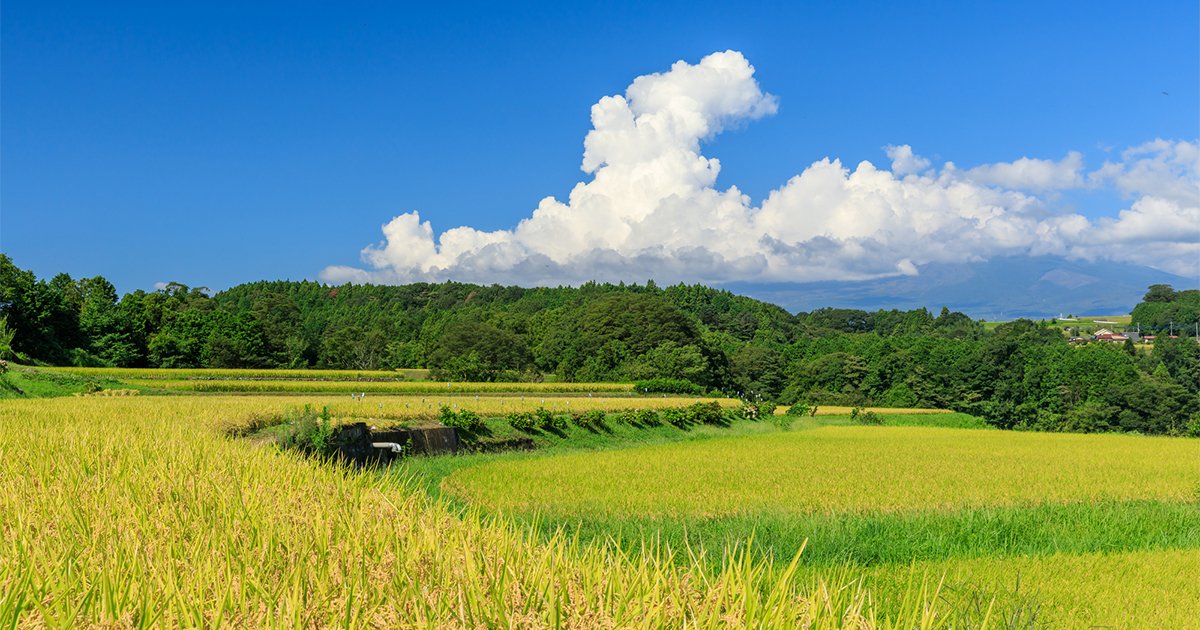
[(140, 512)]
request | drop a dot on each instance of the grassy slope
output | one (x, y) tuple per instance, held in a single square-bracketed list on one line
[(27, 382)]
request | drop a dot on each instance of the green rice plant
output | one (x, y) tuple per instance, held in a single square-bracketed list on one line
[(843, 468)]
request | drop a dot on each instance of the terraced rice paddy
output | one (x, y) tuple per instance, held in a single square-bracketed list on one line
[(371, 387), (146, 511), (842, 469), (1069, 530), (416, 407), (246, 374), (139, 511)]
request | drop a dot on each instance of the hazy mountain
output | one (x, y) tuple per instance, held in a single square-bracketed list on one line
[(999, 289)]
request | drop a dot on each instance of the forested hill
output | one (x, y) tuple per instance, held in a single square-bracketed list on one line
[(1019, 374)]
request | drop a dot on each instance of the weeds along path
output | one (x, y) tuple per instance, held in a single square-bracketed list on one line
[(140, 512)]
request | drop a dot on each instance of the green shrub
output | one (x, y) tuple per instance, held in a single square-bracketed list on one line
[(783, 422), (667, 386), (756, 411), (466, 419), (647, 417), (705, 413), (866, 417), (547, 421), (626, 417), (798, 409), (522, 421), (676, 417), (1193, 426), (591, 420), (308, 431)]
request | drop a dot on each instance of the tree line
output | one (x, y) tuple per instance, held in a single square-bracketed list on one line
[(1021, 374)]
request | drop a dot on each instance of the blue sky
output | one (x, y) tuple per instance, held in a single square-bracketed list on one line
[(217, 143)]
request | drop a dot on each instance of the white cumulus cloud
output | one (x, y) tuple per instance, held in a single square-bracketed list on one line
[(1032, 174), (652, 209)]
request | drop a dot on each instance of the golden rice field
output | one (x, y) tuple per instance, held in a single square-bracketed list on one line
[(370, 387), (140, 512), (836, 410), (400, 408), (143, 511), (837, 469), (232, 373)]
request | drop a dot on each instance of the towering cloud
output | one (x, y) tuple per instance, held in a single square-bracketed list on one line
[(652, 209)]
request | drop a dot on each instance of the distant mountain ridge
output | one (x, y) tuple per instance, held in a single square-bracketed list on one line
[(999, 289)]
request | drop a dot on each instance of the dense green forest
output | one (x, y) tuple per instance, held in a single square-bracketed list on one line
[(1019, 375)]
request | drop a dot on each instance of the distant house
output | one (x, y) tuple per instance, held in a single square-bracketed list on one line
[(1105, 334)]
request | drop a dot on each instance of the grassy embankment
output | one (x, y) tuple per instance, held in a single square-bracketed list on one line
[(29, 382)]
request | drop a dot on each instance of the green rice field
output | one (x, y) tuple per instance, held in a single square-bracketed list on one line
[(1061, 530)]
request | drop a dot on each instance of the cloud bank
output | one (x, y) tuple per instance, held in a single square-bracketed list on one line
[(652, 210)]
